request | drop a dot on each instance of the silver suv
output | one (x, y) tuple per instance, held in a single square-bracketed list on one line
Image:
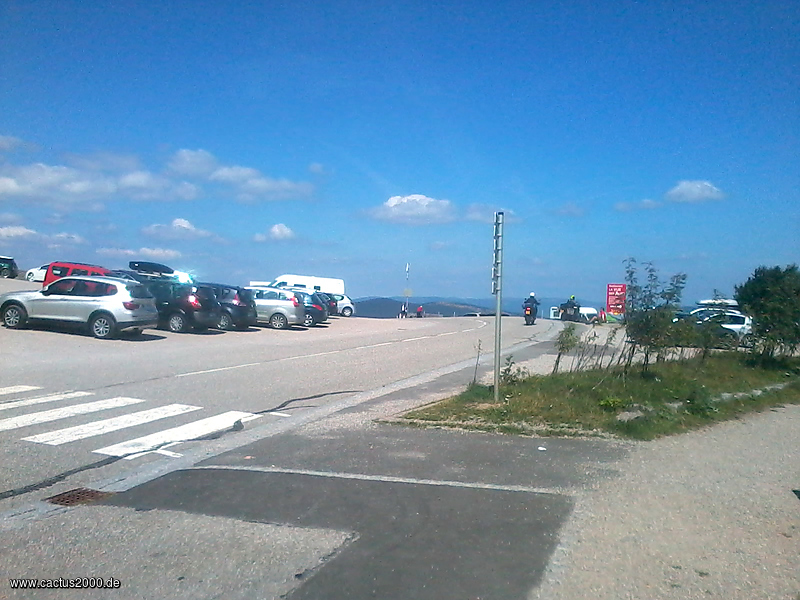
[(278, 307), (106, 305)]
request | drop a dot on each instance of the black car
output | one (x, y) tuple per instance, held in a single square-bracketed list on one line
[(238, 306), (316, 310), (330, 303), (8, 267), (185, 306)]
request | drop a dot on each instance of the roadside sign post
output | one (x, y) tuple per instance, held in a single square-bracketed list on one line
[(497, 290)]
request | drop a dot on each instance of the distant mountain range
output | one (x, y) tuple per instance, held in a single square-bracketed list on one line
[(389, 308)]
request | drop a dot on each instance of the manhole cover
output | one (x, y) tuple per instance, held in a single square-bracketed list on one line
[(79, 496)]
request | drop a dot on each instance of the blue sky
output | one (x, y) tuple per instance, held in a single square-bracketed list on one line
[(243, 140)]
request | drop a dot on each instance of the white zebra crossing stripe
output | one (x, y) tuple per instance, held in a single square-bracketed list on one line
[(18, 389), (63, 413), (184, 433), (80, 432), (42, 400)]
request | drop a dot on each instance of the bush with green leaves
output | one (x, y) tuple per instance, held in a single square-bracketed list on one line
[(771, 296)]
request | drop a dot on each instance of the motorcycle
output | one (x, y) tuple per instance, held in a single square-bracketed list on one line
[(570, 311), (530, 315)]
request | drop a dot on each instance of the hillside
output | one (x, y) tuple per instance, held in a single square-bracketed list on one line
[(389, 308)]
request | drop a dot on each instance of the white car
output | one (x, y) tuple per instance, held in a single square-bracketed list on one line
[(37, 273), (344, 306)]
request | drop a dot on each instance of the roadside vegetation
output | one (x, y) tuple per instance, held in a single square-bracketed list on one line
[(662, 376)]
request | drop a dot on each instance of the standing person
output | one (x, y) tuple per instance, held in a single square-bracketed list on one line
[(403, 311), (419, 312)]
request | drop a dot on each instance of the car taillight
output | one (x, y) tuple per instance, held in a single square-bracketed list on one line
[(317, 306), (130, 305), (193, 300), (236, 301), (295, 301)]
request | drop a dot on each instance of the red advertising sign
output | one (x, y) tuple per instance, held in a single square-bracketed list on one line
[(615, 299)]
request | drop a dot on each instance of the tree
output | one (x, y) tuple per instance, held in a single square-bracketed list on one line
[(771, 296), (649, 310)]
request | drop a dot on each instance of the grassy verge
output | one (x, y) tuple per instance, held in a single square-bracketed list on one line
[(672, 397)]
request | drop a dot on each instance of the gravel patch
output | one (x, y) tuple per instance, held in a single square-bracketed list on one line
[(708, 514)]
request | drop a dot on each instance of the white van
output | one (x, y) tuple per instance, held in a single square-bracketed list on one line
[(317, 284)]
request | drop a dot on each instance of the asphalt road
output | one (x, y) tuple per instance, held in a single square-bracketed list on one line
[(64, 396), (292, 462)]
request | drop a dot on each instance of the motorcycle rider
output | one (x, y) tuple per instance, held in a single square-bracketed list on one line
[(533, 302), (570, 310)]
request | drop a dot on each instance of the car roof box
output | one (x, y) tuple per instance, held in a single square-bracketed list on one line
[(141, 266)]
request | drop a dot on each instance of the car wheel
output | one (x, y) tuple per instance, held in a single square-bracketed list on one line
[(748, 341), (5, 273), (278, 321), (30, 276), (347, 311), (225, 322), (308, 320), (14, 316), (103, 326), (177, 323)]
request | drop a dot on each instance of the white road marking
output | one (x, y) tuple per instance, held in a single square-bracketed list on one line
[(424, 337), (218, 370), (18, 389), (63, 413), (384, 478), (280, 414), (184, 433), (80, 432), (43, 399)]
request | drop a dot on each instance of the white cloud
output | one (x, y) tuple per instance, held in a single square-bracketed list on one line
[(16, 231), (155, 253), (279, 231), (247, 183), (570, 209), (67, 238), (9, 142), (415, 209), (694, 191), (193, 163), (645, 204), (56, 184), (179, 229), (317, 169), (104, 161), (436, 246), (9, 218)]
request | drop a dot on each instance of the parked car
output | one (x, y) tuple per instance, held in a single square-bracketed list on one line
[(279, 308), (37, 273), (344, 306), (184, 306), (8, 267), (237, 304), (105, 305), (316, 312), (56, 270), (330, 303)]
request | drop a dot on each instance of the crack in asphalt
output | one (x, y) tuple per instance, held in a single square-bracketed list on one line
[(283, 405), (50, 481)]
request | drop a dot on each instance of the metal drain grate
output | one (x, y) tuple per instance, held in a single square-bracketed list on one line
[(79, 496)]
